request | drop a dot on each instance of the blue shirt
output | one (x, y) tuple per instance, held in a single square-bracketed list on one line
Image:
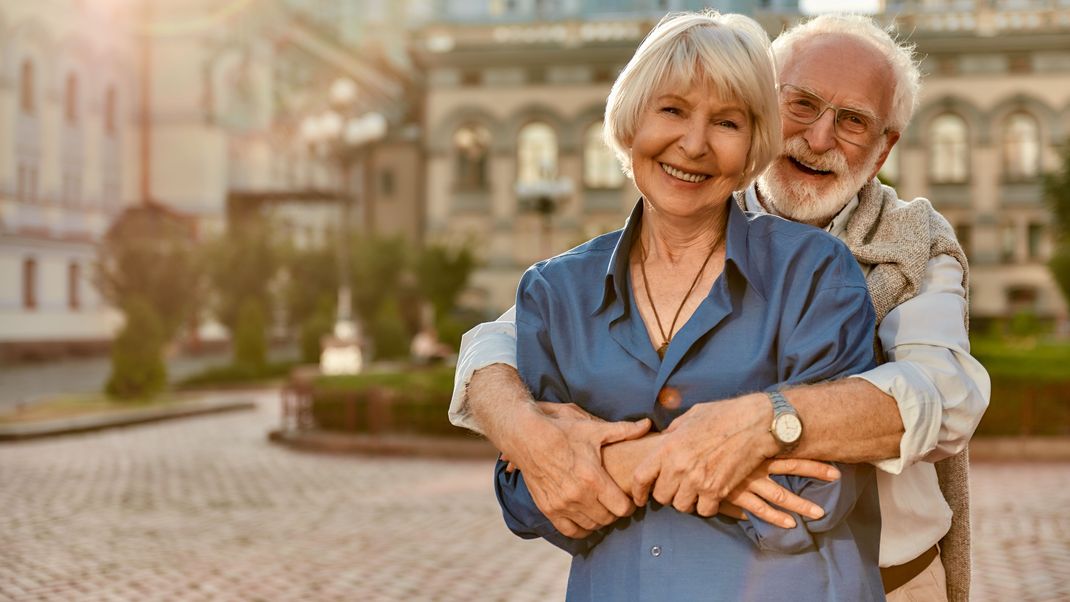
[(791, 306)]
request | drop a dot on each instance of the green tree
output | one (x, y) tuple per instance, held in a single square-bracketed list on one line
[(311, 295), (250, 336), (1057, 193), (138, 370), (441, 274), (377, 265), (240, 267), (147, 267), (149, 253)]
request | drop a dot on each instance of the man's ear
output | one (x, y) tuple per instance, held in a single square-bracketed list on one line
[(889, 141)]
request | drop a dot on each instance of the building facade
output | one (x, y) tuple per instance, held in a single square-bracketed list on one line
[(187, 103), (67, 93), (994, 118), (493, 114), (516, 166)]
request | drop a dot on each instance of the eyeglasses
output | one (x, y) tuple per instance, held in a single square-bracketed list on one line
[(851, 125)]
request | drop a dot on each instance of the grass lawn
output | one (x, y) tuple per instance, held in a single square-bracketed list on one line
[(1027, 359), (71, 406)]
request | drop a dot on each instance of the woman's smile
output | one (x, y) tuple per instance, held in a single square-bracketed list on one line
[(680, 174)]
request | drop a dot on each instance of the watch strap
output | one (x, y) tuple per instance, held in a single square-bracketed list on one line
[(780, 404)]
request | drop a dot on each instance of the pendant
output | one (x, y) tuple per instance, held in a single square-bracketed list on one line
[(661, 350)]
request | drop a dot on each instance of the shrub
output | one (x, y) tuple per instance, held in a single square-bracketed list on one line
[(415, 401), (138, 370), (1030, 387), (389, 332), (250, 341)]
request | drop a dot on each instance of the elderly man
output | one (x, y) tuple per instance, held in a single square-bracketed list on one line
[(840, 120)]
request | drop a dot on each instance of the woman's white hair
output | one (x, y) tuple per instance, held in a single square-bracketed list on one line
[(731, 53), (905, 73)]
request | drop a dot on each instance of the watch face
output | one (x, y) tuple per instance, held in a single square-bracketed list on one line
[(788, 428)]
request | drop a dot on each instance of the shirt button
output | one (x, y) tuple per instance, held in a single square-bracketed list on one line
[(669, 398), (655, 551)]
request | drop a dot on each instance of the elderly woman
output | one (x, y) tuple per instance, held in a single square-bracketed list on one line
[(696, 300)]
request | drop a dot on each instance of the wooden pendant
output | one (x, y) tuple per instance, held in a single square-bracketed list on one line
[(661, 350)]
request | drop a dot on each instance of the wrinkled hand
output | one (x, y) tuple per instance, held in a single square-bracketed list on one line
[(766, 499), (705, 454), (561, 460)]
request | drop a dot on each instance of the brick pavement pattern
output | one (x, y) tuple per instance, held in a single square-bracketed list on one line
[(207, 509)]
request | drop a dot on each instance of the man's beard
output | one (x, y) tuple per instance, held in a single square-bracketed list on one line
[(799, 201)]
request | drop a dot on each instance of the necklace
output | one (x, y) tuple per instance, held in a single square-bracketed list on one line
[(646, 286)]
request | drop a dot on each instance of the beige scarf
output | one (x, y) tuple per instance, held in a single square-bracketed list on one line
[(897, 240)]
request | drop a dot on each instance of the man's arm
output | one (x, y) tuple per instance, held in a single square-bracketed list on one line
[(848, 420), (486, 344), (940, 389), (827, 334), (922, 405)]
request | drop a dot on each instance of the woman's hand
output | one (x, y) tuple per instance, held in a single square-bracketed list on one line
[(760, 496), (706, 453)]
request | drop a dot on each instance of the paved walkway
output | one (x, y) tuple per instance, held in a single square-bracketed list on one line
[(207, 509)]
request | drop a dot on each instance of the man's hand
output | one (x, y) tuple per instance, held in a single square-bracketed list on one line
[(760, 496), (706, 453), (560, 456)]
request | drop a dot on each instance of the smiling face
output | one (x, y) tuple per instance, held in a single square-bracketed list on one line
[(690, 149), (817, 173)]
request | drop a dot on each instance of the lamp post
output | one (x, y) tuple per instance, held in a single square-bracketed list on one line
[(343, 135), (545, 197)]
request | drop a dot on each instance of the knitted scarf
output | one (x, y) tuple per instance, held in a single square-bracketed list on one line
[(897, 239)]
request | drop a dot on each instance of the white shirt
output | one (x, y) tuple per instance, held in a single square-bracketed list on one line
[(941, 391)]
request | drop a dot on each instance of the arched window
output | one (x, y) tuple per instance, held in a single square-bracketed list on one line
[(1021, 147), (950, 161), (536, 153), (27, 98), (600, 166), (471, 147), (110, 110), (70, 99)]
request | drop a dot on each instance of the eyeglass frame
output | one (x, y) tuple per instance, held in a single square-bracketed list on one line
[(881, 129)]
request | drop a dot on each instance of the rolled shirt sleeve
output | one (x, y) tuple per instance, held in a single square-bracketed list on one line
[(486, 344), (941, 390), (525, 519), (838, 498)]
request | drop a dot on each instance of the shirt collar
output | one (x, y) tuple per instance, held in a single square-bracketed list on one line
[(837, 227), (736, 251)]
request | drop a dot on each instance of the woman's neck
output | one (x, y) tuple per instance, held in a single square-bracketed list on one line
[(678, 240)]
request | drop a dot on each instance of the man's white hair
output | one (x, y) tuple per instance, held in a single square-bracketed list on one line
[(904, 65)]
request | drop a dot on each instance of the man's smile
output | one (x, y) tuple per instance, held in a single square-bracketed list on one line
[(808, 169)]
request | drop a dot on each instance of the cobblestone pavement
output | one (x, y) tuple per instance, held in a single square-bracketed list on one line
[(207, 509)]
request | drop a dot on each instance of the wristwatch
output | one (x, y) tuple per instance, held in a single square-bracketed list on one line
[(787, 427)]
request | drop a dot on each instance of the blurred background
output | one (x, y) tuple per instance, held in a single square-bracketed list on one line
[(290, 210)]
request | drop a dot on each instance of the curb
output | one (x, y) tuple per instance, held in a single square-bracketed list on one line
[(386, 445), (995, 449), (84, 424)]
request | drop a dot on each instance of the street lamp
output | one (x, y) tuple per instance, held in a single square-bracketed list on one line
[(545, 197), (343, 135)]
